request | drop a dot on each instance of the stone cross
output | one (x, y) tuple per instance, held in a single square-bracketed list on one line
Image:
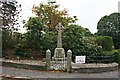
[(59, 28)]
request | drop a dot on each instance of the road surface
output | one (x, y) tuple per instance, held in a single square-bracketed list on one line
[(15, 72)]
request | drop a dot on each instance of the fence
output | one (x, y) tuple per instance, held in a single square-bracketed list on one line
[(100, 59)]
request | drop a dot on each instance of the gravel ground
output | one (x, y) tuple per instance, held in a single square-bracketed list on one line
[(42, 74)]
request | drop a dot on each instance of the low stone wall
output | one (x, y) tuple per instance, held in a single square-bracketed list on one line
[(82, 68), (24, 66), (94, 68)]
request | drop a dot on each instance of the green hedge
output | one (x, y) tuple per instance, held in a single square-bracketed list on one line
[(106, 42), (117, 55)]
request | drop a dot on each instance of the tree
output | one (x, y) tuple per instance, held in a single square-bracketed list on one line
[(10, 40), (41, 33), (34, 35), (110, 26), (74, 38), (9, 14), (51, 15)]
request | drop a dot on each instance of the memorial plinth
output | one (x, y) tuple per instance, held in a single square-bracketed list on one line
[(59, 53)]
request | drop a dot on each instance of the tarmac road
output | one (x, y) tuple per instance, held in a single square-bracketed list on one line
[(33, 74)]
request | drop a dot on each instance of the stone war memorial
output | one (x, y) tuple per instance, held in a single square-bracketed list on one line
[(54, 46), (59, 61)]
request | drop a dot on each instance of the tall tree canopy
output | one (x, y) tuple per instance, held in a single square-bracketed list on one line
[(110, 26), (9, 14), (41, 28), (74, 38), (34, 34), (51, 15)]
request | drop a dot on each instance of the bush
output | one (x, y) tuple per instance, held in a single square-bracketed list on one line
[(74, 39), (20, 51), (106, 42), (117, 56)]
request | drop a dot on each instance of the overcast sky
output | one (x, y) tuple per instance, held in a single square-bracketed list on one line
[(88, 12)]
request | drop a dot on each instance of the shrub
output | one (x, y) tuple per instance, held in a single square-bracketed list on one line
[(106, 42), (74, 38), (20, 50), (117, 56)]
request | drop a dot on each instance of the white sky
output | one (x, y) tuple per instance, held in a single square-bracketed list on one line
[(88, 12)]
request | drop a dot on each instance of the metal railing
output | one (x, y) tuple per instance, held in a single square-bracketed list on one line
[(100, 59)]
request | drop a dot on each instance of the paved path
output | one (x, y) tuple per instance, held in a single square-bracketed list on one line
[(42, 74)]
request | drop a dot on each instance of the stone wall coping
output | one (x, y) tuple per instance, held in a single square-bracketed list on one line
[(74, 65), (93, 65), (28, 62)]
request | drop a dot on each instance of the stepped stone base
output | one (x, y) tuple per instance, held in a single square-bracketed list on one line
[(58, 65), (59, 60)]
